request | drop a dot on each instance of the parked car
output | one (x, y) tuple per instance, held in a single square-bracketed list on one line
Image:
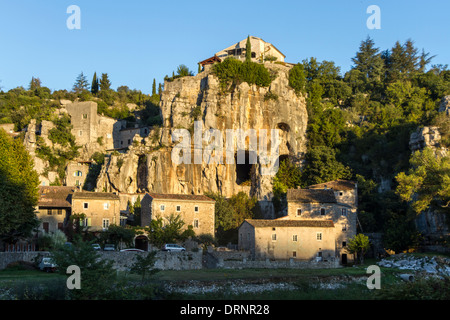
[(109, 247), (132, 249), (47, 265), (96, 246), (172, 247)]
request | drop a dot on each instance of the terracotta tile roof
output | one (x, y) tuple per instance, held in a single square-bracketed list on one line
[(95, 195), (187, 197), (53, 196), (311, 195), (339, 184), (260, 223)]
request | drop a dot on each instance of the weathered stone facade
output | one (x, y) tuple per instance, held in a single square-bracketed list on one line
[(195, 210), (101, 209), (285, 239), (54, 208)]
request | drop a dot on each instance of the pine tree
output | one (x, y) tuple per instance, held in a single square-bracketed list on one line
[(154, 87), (95, 84), (248, 50), (368, 60), (105, 84), (81, 83)]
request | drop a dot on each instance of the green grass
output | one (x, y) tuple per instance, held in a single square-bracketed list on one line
[(35, 284)]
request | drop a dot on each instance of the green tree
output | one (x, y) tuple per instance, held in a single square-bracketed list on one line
[(322, 166), (168, 230), (154, 87), (183, 71), (144, 265), (230, 213), (427, 183), (35, 83), (81, 84), (248, 50), (97, 274), (18, 190), (297, 78), (358, 246), (117, 235), (105, 84), (94, 84), (368, 61)]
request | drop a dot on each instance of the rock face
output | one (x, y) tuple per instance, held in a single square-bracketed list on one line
[(148, 165), (445, 105)]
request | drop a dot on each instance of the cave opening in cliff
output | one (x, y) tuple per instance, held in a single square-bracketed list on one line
[(244, 169), (142, 173)]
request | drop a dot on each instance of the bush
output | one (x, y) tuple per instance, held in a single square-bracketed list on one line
[(297, 78), (233, 71)]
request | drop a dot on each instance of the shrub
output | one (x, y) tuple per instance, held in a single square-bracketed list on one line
[(297, 78), (233, 71)]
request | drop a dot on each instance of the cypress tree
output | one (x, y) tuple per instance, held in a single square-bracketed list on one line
[(154, 87), (160, 89), (248, 50), (95, 85)]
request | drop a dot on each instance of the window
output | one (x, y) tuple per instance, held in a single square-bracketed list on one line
[(344, 243), (49, 212), (319, 236), (105, 224), (322, 211), (294, 238), (60, 226), (299, 212), (294, 254), (344, 227), (344, 211), (253, 55), (45, 226), (59, 211), (196, 209), (85, 115), (80, 133), (78, 173), (274, 237), (196, 223), (106, 205), (341, 193), (129, 141), (178, 208), (85, 205), (162, 207)]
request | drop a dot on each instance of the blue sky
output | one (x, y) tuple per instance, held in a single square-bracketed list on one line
[(135, 41)]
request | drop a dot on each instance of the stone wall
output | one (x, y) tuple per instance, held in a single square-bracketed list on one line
[(122, 260)]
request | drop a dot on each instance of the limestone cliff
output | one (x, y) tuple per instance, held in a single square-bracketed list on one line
[(148, 165)]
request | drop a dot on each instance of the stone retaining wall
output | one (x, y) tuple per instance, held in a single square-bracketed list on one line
[(182, 260)]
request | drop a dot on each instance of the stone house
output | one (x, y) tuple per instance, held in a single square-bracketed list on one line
[(76, 173), (127, 135), (260, 50), (89, 128), (195, 210), (333, 204), (54, 208), (284, 239), (102, 209)]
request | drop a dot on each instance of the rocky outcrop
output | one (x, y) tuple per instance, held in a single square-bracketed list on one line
[(148, 165), (445, 105)]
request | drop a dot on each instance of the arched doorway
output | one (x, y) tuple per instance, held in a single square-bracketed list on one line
[(141, 242)]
